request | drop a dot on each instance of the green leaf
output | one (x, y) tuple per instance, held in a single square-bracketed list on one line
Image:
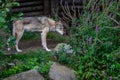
[(118, 14), (2, 20), (15, 4), (7, 9)]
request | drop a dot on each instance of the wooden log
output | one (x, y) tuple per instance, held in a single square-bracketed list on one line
[(27, 9), (33, 14), (30, 4), (26, 0)]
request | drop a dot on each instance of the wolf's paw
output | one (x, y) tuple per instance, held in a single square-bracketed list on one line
[(48, 50), (19, 50)]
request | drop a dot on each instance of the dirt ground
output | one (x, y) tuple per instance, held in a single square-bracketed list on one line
[(33, 45), (36, 44)]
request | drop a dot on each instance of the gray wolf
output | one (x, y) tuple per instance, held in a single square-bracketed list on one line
[(36, 24)]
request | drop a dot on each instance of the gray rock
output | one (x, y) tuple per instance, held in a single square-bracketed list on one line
[(60, 72), (28, 75)]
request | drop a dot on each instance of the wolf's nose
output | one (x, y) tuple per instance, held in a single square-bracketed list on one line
[(64, 33)]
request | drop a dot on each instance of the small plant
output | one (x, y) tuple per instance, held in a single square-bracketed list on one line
[(6, 19), (65, 48), (39, 60)]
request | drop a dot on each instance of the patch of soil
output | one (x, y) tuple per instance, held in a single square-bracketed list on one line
[(32, 45), (36, 44)]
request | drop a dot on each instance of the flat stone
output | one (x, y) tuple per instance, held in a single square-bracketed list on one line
[(60, 72), (28, 75)]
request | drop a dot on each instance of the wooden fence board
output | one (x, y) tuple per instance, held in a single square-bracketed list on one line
[(42, 7), (30, 7)]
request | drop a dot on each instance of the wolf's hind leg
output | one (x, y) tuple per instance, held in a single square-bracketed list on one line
[(18, 30), (18, 36)]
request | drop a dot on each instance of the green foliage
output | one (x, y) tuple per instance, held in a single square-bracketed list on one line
[(56, 37), (95, 41), (30, 36), (51, 35), (6, 19), (17, 63), (0, 52)]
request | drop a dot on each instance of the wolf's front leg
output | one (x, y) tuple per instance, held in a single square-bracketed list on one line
[(16, 45), (43, 38)]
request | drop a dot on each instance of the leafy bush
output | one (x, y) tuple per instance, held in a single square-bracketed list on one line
[(95, 39), (17, 63), (6, 19)]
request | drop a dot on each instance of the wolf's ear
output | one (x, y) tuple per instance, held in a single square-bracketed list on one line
[(58, 22), (51, 22)]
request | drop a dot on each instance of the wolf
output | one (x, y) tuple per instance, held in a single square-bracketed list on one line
[(36, 24)]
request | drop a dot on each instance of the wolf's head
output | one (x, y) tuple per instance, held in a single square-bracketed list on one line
[(56, 26), (59, 27)]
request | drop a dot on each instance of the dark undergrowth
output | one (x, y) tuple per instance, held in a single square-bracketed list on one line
[(54, 36), (16, 63)]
